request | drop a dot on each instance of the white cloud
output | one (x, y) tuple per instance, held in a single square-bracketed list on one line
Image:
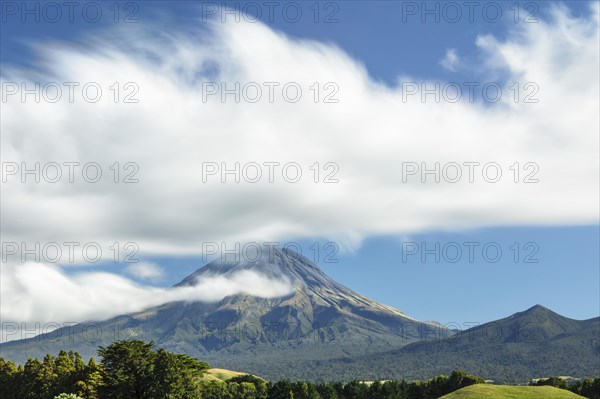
[(368, 133), (451, 61), (41, 293), (145, 271)]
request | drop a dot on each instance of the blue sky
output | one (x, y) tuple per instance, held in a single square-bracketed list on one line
[(567, 276), (558, 270), (389, 37)]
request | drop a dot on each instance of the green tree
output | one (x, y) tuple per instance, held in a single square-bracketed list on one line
[(460, 379), (590, 388), (439, 386), (8, 379), (78, 362), (133, 370), (281, 390), (376, 390), (241, 390), (47, 378), (31, 378), (355, 390), (301, 390), (261, 387), (170, 379), (215, 390), (394, 389), (64, 367), (128, 369), (177, 375), (415, 390), (327, 391), (89, 379)]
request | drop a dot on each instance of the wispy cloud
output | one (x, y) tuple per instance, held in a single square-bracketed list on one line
[(451, 61), (36, 292), (145, 271)]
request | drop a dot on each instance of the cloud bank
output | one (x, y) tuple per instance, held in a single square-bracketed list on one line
[(371, 134), (35, 292)]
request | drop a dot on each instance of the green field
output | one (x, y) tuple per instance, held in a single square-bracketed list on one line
[(221, 374), (485, 391)]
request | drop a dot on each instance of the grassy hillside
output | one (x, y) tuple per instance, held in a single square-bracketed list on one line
[(484, 391), (221, 374)]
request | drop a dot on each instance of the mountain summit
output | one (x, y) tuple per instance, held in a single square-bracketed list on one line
[(312, 288), (318, 306), (318, 319), (273, 263)]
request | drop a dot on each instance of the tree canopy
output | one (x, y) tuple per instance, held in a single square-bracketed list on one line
[(135, 369)]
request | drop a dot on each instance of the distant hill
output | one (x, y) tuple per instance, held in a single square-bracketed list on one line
[(221, 374), (484, 391), (536, 342)]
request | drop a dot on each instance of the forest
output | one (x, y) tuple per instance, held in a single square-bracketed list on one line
[(134, 369)]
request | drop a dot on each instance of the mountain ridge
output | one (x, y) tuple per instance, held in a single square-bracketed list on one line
[(323, 330)]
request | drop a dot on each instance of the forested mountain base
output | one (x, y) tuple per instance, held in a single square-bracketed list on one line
[(136, 370)]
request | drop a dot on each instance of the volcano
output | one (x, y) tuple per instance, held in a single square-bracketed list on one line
[(319, 319), (322, 330)]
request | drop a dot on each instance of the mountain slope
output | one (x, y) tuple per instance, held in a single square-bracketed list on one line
[(320, 319), (323, 330), (535, 343)]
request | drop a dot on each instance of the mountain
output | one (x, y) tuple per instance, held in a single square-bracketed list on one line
[(319, 320), (323, 330), (535, 343)]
